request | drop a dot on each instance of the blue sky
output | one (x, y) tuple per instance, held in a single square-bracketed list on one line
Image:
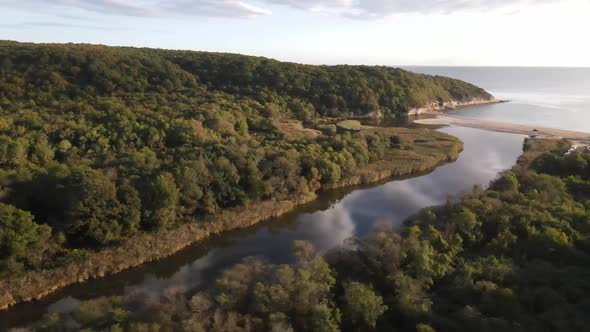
[(385, 32)]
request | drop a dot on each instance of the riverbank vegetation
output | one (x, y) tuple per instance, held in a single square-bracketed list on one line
[(433, 149), (514, 257), (103, 148)]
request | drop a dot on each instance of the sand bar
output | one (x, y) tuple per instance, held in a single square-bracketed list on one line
[(447, 119)]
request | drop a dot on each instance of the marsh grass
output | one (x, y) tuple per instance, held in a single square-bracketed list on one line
[(294, 130)]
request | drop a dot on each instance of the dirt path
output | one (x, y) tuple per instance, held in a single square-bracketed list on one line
[(446, 119)]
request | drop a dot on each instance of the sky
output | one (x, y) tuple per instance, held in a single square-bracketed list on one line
[(372, 32)]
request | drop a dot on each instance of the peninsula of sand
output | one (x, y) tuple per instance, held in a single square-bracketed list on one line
[(437, 118)]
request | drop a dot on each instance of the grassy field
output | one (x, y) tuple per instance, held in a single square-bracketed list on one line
[(351, 125), (294, 130)]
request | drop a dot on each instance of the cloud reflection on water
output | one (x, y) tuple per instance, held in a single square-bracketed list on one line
[(485, 155)]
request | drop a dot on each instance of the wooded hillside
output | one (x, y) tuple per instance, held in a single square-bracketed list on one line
[(99, 143)]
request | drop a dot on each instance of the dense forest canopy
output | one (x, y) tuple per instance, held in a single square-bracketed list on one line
[(514, 257), (79, 71), (98, 144)]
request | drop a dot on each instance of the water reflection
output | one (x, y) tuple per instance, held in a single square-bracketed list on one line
[(485, 155), (326, 223)]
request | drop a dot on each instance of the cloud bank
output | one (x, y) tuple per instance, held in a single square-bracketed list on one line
[(381, 8), (149, 8), (252, 8)]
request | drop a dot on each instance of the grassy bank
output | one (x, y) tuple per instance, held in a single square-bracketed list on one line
[(513, 257), (104, 148), (417, 150)]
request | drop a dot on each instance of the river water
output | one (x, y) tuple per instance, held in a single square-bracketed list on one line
[(327, 222), (554, 97)]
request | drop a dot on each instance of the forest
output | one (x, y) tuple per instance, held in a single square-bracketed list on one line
[(514, 257), (100, 144)]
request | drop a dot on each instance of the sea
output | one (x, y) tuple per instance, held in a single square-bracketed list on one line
[(547, 97)]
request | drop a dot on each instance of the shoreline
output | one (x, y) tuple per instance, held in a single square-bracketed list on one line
[(506, 127), (436, 107), (145, 248)]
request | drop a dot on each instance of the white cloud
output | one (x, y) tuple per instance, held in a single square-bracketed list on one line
[(148, 8), (316, 5), (126, 7), (381, 8), (251, 8), (227, 8)]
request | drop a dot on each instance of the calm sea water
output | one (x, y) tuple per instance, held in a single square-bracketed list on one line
[(548, 97)]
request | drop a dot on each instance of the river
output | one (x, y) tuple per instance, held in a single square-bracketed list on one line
[(327, 222), (549, 97)]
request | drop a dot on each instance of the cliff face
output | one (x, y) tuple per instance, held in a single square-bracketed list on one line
[(440, 107)]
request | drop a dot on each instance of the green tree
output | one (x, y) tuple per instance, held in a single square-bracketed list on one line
[(160, 202), (412, 301), (130, 207), (362, 305), (466, 223), (508, 182), (93, 208), (23, 243), (191, 180)]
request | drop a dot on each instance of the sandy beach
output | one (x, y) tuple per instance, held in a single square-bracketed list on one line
[(446, 119)]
